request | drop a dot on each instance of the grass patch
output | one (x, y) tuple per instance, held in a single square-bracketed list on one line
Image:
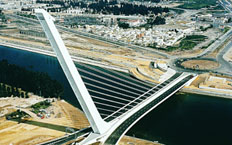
[(196, 37), (188, 43), (27, 15), (41, 105), (197, 4), (226, 29)]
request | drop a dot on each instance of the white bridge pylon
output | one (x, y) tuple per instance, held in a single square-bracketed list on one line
[(98, 125)]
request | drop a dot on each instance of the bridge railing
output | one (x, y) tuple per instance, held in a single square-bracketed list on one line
[(175, 76)]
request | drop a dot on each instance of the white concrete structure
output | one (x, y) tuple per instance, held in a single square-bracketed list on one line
[(97, 123), (169, 73)]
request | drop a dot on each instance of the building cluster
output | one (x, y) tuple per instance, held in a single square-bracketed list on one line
[(217, 20), (159, 35), (15, 4), (107, 25)]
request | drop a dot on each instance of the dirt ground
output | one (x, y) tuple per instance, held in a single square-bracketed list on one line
[(12, 132), (200, 64), (200, 79), (66, 115), (25, 134), (135, 141), (36, 130)]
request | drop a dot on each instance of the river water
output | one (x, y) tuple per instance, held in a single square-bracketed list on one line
[(184, 119)]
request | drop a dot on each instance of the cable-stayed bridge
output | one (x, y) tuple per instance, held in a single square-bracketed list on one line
[(111, 101)]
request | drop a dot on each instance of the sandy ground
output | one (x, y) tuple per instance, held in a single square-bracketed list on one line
[(65, 115), (228, 55), (22, 41), (24, 134), (141, 76), (11, 104), (212, 81), (200, 64), (12, 132), (136, 141), (200, 78)]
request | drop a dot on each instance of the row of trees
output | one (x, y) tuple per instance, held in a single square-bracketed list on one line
[(6, 91), (125, 8), (109, 7), (37, 82), (156, 21)]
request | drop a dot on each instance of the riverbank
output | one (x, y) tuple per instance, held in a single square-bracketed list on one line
[(75, 59), (138, 74), (206, 92), (203, 84)]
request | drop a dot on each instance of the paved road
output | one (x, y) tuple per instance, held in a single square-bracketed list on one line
[(216, 44), (224, 64), (226, 67), (226, 4), (67, 138)]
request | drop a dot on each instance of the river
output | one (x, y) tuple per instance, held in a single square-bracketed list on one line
[(184, 119)]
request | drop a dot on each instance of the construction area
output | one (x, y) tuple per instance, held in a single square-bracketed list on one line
[(46, 124), (213, 84), (37, 128)]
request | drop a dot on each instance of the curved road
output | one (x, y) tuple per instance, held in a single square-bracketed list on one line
[(226, 67)]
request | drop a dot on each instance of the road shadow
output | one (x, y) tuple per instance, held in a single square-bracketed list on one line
[(46, 125)]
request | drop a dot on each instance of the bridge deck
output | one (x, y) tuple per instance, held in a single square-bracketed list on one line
[(115, 136)]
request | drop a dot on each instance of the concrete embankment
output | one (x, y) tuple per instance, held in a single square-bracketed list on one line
[(76, 59), (214, 93), (207, 93)]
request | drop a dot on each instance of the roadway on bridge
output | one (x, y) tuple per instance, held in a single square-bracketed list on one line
[(73, 136), (115, 136)]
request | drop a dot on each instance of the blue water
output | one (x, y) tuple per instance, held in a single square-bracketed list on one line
[(184, 119), (40, 63), (188, 119)]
